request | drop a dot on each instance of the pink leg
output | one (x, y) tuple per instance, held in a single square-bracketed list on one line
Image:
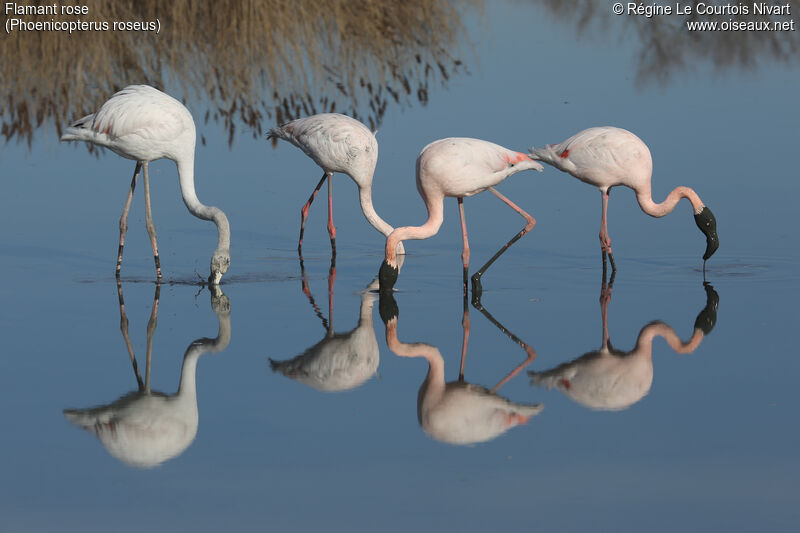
[(151, 328), (605, 240), (605, 299), (465, 324), (304, 212), (148, 217), (529, 351), (123, 327), (123, 221), (307, 292), (465, 252), (331, 227), (517, 370), (529, 223), (331, 282)]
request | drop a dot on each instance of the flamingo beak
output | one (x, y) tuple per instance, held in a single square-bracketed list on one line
[(387, 307), (708, 225), (707, 318), (387, 276)]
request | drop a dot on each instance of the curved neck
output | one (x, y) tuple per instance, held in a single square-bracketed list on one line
[(428, 229), (365, 197), (653, 209), (205, 212), (434, 386), (365, 312), (199, 347), (659, 329)]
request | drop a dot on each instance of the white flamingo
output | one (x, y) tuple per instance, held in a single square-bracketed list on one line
[(337, 143), (144, 428), (611, 380), (340, 361), (606, 157), (144, 124), (457, 167)]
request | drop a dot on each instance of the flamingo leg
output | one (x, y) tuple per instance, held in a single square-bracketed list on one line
[(465, 252), (605, 299), (148, 217), (304, 212), (605, 240), (331, 227), (465, 323), (123, 221), (530, 222), (307, 292), (529, 351), (151, 328), (331, 281), (123, 327)]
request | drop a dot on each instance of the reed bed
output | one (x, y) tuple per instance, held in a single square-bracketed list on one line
[(254, 62)]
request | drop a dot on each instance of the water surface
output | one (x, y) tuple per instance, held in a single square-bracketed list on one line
[(708, 441)]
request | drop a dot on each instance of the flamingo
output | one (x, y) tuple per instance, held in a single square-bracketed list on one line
[(144, 428), (144, 124), (337, 143), (608, 379), (606, 157), (457, 167), (459, 412), (340, 361)]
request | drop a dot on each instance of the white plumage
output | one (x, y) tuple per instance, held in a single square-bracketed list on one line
[(457, 167), (337, 143), (144, 428), (607, 157), (144, 124)]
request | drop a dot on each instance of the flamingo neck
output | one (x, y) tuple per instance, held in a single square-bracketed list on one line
[(659, 329), (660, 209), (365, 197), (365, 312), (200, 210), (428, 229), (188, 386), (197, 348), (434, 386)]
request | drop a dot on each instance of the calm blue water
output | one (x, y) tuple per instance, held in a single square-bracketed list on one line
[(711, 445)]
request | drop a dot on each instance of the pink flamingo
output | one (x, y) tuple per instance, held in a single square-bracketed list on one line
[(606, 157), (610, 379), (457, 167), (144, 124), (459, 412), (337, 143)]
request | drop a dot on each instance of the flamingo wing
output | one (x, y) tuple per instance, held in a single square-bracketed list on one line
[(138, 110)]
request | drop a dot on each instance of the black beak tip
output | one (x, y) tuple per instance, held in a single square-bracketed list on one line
[(387, 276), (707, 223), (387, 306), (707, 318), (712, 243)]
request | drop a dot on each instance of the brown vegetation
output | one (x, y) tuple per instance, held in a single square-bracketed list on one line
[(253, 61)]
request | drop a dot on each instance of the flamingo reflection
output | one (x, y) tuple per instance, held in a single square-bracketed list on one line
[(340, 361), (609, 379), (144, 428), (459, 412)]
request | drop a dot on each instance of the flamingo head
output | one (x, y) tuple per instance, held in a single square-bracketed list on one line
[(708, 316), (387, 276), (387, 307), (708, 225), (220, 262)]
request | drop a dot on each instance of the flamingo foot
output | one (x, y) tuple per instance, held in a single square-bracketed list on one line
[(477, 288)]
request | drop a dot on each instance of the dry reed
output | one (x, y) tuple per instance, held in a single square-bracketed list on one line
[(254, 61)]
